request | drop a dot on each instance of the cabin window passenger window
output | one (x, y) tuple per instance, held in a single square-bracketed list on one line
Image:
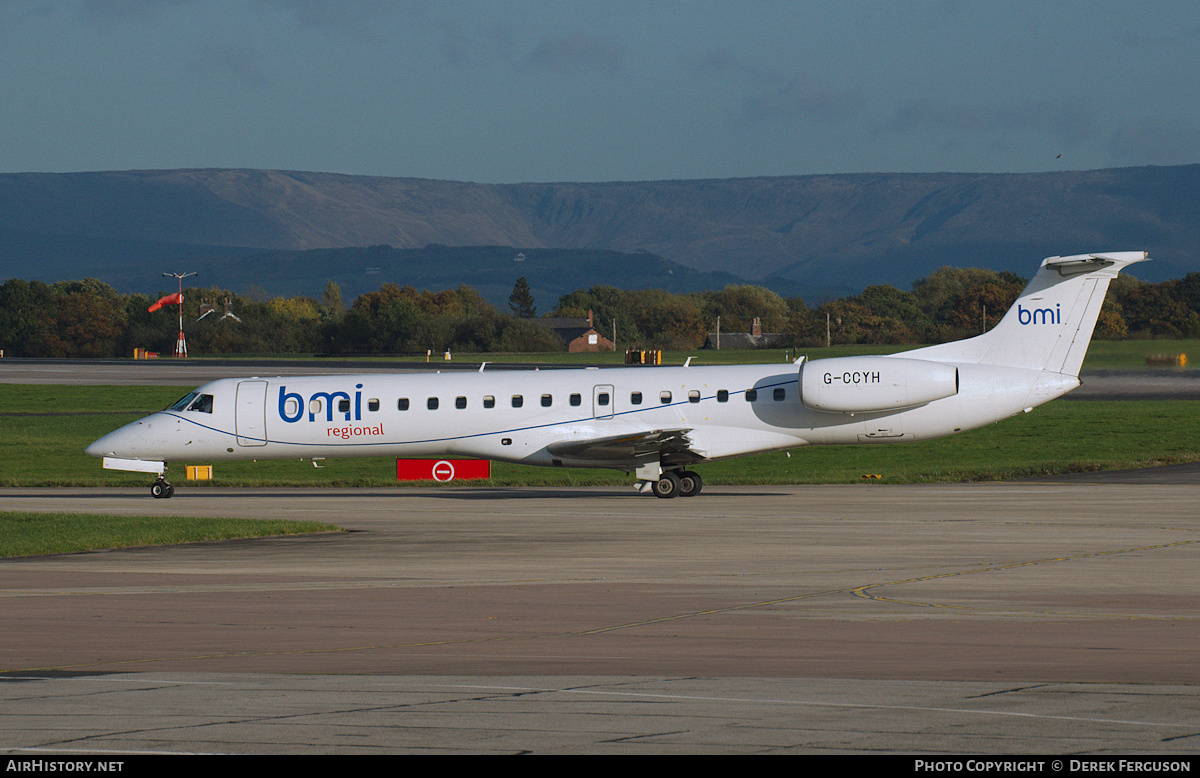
[(664, 397), (779, 393), (576, 400), (343, 406), (432, 403), (635, 398), (460, 402), (694, 396), (489, 401), (314, 406), (291, 408), (547, 401), (602, 399), (751, 395), (517, 401), (722, 396), (402, 404), (373, 404)]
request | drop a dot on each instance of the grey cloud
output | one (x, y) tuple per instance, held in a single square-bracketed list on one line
[(340, 13), (383, 22), (125, 10), (723, 62), (465, 47), (1184, 37), (806, 98), (578, 52), (718, 61), (226, 58), (361, 20)]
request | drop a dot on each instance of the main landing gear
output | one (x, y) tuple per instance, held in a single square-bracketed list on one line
[(160, 489), (681, 483)]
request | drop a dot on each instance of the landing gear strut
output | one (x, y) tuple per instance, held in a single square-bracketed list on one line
[(160, 489)]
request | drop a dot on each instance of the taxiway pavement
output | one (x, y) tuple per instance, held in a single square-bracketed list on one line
[(982, 618)]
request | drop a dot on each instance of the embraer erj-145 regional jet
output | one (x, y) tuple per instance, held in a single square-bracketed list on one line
[(657, 423)]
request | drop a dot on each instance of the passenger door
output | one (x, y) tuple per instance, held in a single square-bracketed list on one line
[(250, 419)]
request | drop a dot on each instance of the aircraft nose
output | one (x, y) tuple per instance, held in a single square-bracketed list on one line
[(128, 441), (97, 448), (107, 445)]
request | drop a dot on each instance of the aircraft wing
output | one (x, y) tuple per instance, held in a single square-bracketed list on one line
[(665, 445)]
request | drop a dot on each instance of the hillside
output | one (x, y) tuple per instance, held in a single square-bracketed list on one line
[(490, 270), (807, 233)]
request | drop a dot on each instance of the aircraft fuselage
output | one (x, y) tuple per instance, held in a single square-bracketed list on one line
[(519, 415)]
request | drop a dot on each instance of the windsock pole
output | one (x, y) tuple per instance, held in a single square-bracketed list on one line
[(181, 342)]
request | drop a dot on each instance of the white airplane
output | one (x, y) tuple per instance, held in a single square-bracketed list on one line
[(654, 422)]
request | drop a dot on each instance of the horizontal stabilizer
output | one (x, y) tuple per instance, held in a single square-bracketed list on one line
[(1071, 266)]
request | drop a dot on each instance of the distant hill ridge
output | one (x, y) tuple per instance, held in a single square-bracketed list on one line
[(803, 232)]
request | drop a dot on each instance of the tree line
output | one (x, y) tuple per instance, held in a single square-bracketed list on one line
[(89, 318)]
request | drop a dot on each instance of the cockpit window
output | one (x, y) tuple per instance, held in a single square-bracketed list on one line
[(194, 401), (183, 402)]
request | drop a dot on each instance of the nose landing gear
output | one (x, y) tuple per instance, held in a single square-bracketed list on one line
[(160, 489)]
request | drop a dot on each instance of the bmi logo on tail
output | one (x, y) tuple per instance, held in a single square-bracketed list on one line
[(1040, 315)]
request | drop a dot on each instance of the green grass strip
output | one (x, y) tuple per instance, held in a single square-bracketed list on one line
[(46, 449), (24, 533)]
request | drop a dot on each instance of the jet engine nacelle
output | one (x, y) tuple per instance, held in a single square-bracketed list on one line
[(861, 384)]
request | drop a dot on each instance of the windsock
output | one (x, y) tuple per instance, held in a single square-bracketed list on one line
[(171, 299)]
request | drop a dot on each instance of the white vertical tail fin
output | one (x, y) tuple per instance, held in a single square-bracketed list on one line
[(1051, 323)]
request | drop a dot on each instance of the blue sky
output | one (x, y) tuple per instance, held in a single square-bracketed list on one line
[(598, 91)]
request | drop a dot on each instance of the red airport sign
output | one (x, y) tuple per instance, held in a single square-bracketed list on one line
[(442, 469)]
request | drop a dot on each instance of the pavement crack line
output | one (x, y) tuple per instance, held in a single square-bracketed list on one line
[(865, 591)]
